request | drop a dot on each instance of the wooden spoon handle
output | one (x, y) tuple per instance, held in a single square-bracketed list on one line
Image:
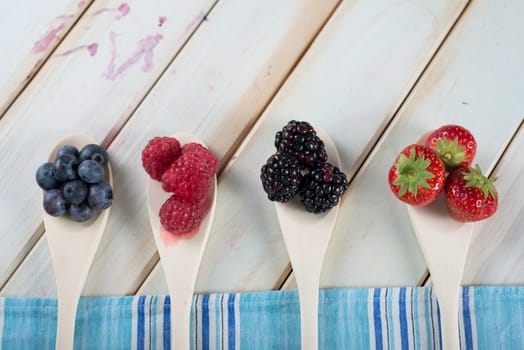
[(449, 324), (308, 296), (180, 335), (65, 332)]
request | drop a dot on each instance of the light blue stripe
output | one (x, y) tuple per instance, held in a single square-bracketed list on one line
[(403, 319), (391, 320), (377, 319), (429, 318)]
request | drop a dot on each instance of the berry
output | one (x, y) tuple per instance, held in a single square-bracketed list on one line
[(322, 188), (159, 154), (179, 215), (417, 176), (75, 192), (91, 171), (67, 149), (93, 152), (470, 195), (100, 196), (187, 177), (281, 177), (208, 158), (45, 176), (454, 144), (300, 139), (65, 167), (54, 203), (80, 212)]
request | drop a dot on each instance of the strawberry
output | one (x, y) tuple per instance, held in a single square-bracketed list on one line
[(454, 144), (471, 196), (417, 176)]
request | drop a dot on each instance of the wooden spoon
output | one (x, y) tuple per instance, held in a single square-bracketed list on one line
[(180, 256), (73, 246), (307, 236), (445, 244)]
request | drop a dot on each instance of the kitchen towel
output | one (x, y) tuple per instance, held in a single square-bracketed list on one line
[(377, 318)]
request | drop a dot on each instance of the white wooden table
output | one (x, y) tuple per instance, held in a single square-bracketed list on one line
[(374, 74)]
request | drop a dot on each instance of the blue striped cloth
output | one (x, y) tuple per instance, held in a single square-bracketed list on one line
[(381, 318)]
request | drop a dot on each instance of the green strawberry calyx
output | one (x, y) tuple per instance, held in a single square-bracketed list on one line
[(413, 173), (451, 153), (475, 178)]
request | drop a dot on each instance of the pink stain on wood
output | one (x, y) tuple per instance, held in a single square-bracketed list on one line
[(42, 44), (82, 3), (92, 49), (197, 19), (161, 21), (144, 51), (123, 10)]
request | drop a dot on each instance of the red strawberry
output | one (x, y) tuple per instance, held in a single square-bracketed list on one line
[(417, 176), (471, 196), (454, 144)]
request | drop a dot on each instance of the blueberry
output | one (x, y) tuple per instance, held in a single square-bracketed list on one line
[(45, 176), (75, 192), (100, 196), (65, 167), (80, 212), (93, 152), (54, 203), (91, 172), (67, 149)]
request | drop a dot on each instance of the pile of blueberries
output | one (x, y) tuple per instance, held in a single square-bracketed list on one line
[(74, 183)]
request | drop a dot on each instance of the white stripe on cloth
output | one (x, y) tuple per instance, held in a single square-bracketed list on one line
[(395, 316), (134, 323), (409, 318), (225, 314), (436, 329), (159, 321), (212, 320), (371, 319), (237, 321), (473, 319)]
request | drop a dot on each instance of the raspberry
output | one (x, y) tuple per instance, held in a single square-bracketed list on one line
[(187, 177), (179, 215), (207, 157), (159, 154)]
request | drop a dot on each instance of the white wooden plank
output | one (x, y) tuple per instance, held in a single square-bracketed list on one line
[(217, 85), (475, 80), (29, 31), (496, 254), (77, 91), (383, 46)]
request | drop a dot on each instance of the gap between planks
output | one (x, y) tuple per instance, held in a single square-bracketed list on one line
[(24, 84), (286, 279)]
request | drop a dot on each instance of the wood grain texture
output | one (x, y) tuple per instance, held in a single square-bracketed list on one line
[(245, 251), (461, 86), (215, 88), (77, 90), (29, 32)]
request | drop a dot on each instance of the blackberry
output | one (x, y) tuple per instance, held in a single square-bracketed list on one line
[(300, 139), (281, 177), (322, 188)]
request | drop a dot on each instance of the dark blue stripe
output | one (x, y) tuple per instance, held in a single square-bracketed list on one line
[(231, 321), (403, 319), (205, 322), (377, 319), (167, 324), (468, 333), (140, 327)]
